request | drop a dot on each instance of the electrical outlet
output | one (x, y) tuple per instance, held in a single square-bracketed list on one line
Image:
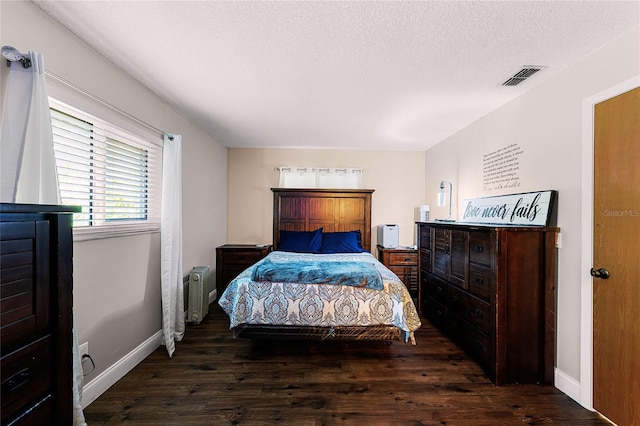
[(558, 240), (83, 349)]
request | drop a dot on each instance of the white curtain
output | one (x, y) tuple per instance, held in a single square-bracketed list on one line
[(297, 177), (328, 177), (171, 243), (28, 163), (77, 380), (26, 146), (340, 178)]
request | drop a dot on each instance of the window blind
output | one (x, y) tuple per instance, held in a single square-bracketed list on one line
[(113, 174)]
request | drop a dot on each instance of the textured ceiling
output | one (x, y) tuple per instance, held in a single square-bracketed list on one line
[(389, 75)]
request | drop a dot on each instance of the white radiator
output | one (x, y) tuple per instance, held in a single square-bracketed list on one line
[(198, 305)]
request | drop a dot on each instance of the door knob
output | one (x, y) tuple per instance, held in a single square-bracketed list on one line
[(600, 273)]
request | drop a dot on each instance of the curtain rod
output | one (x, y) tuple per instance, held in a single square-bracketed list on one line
[(105, 103), (11, 54)]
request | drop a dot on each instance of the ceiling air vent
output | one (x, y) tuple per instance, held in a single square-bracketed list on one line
[(526, 72)]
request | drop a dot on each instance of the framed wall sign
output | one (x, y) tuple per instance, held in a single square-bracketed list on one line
[(529, 208)]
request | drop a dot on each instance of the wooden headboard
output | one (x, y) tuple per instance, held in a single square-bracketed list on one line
[(334, 210)]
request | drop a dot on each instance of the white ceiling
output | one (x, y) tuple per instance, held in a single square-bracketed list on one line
[(380, 75)]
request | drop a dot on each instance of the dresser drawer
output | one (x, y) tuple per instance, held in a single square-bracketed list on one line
[(434, 288), (441, 252), (425, 237), (470, 339), (232, 259), (435, 312), (425, 260), (408, 275), (480, 282), (410, 259), (40, 413), (470, 308), (248, 257), (26, 377), (231, 271), (481, 249)]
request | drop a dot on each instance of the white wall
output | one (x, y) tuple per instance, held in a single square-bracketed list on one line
[(117, 280), (546, 123), (396, 176)]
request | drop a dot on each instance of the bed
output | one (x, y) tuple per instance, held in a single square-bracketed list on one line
[(321, 281)]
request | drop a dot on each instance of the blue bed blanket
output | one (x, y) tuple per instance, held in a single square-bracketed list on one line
[(355, 274)]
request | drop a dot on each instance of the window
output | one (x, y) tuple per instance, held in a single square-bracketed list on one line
[(111, 173)]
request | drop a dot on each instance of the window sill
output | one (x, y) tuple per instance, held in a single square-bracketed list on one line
[(102, 232)]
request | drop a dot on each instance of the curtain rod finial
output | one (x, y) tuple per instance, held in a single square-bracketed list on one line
[(11, 54)]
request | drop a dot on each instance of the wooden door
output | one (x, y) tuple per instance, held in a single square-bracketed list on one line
[(616, 248)]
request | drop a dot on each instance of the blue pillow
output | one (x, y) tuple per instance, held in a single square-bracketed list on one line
[(340, 242), (300, 241), (359, 237)]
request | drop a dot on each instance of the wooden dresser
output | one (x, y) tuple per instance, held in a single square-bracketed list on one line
[(231, 259), (491, 289), (36, 314), (404, 263)]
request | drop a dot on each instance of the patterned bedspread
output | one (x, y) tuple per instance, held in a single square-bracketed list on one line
[(275, 303)]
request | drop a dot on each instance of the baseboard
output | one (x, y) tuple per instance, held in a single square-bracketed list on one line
[(567, 385), (96, 387)]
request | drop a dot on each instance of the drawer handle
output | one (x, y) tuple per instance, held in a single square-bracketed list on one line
[(478, 313), (16, 381), (407, 259), (479, 281), (438, 289), (479, 248)]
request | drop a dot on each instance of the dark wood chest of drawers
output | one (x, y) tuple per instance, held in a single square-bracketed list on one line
[(491, 289), (404, 263), (36, 314), (231, 259)]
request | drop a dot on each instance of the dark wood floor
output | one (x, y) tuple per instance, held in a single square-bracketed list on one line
[(215, 380)]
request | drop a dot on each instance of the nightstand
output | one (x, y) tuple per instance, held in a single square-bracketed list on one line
[(404, 263), (231, 259)]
